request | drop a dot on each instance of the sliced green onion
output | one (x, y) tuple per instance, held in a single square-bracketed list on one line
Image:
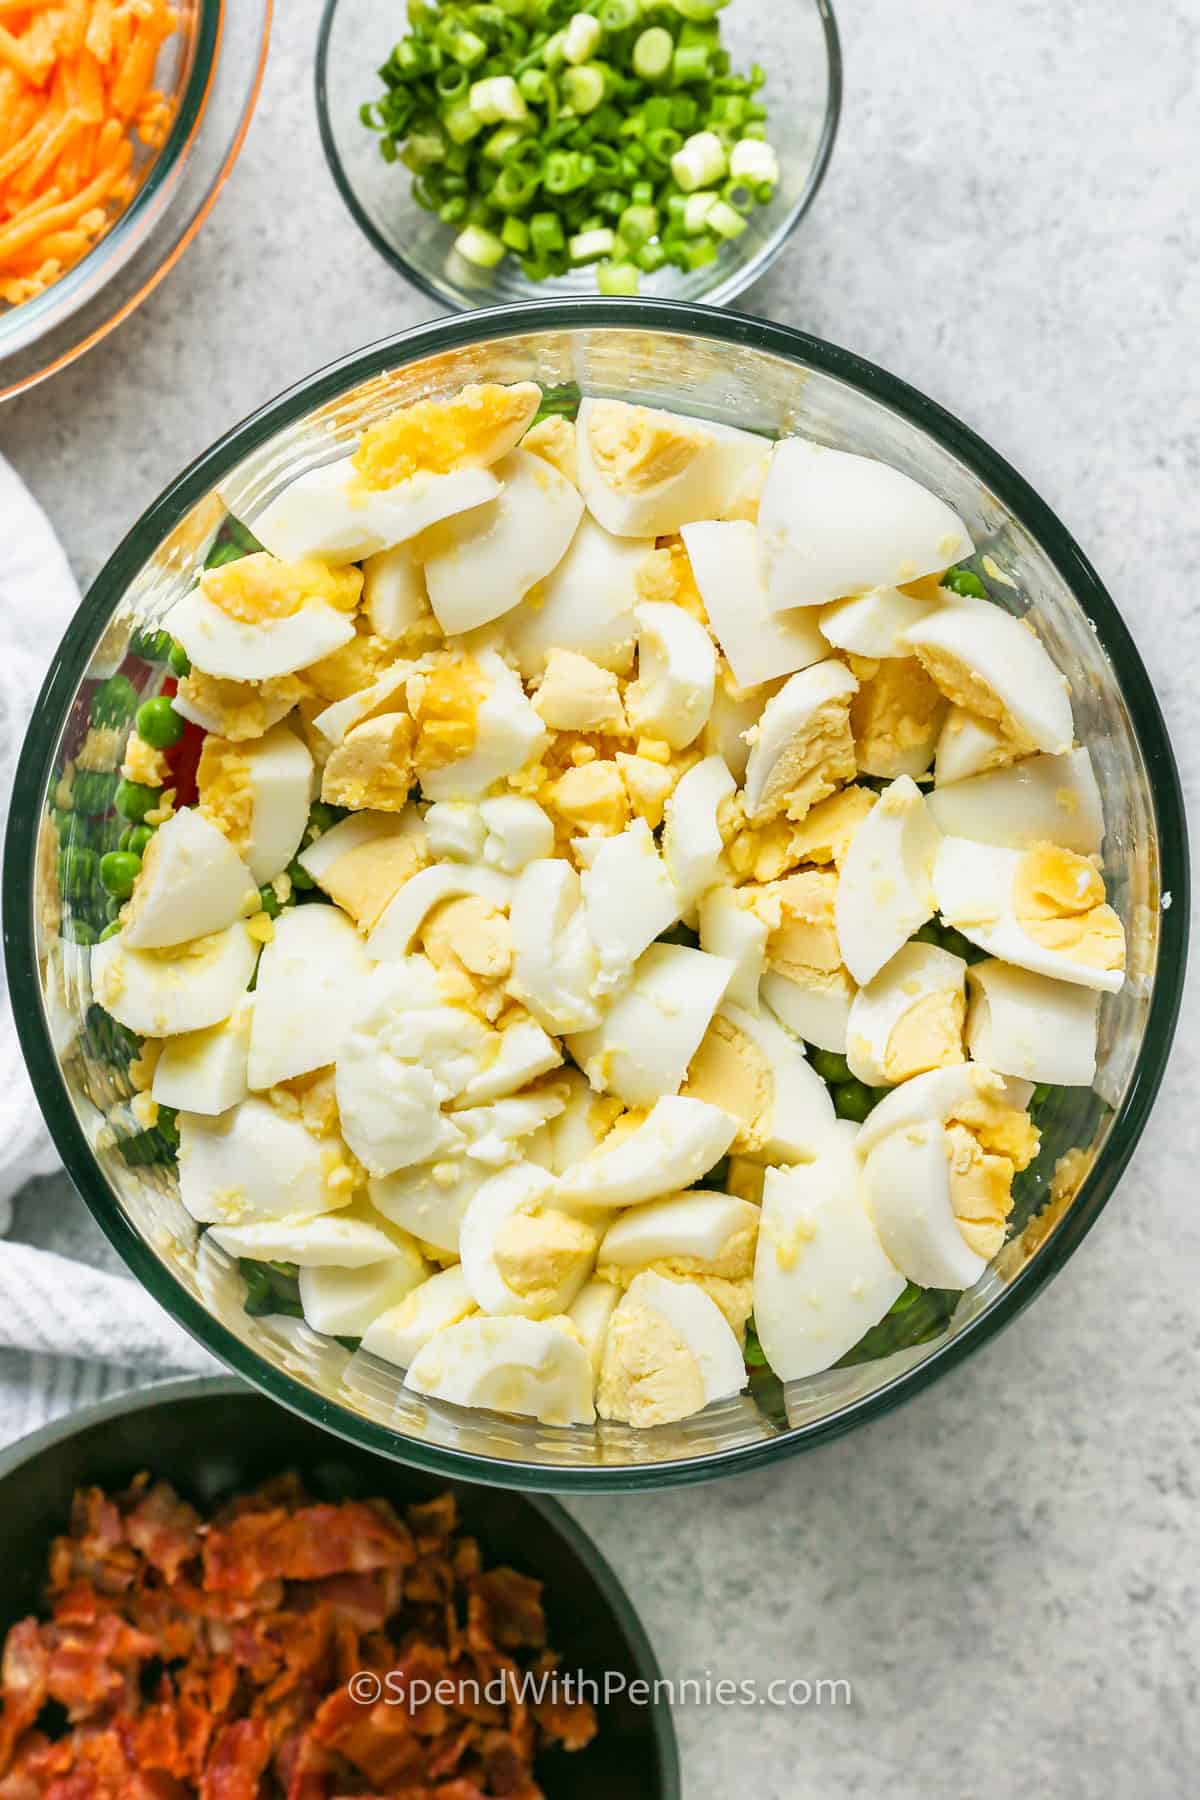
[(480, 247), (638, 224), (618, 15), (583, 87), (617, 278), (590, 246), (497, 97), (515, 234), (581, 39), (690, 63), (696, 210), (503, 141), (652, 53), (546, 233), (755, 162), (724, 220), (699, 162)]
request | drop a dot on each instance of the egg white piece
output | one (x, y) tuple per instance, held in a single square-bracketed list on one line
[(160, 993), (642, 1047), (703, 465), (1006, 663), (915, 974), (679, 1141), (205, 1071), (821, 1275), (834, 524), (585, 604), (937, 1096), (590, 1313), (975, 889), (699, 1225), (1029, 1025), (429, 1199), (524, 1052), (968, 745), (730, 572), (352, 834), (555, 963), (906, 1185), (280, 775), (339, 1240), (1039, 800), (886, 890), (697, 1324), (387, 695), (394, 595), (401, 920), (677, 667), (496, 1133), (455, 829), (582, 1124), (488, 559), (346, 1301), (629, 899), (309, 981), (738, 934), (508, 735), (734, 712), (788, 719), (254, 1164), (870, 624), (512, 1365), (522, 1188), (793, 1108), (192, 882), (817, 1011), (329, 514), (257, 649), (519, 831), (692, 843), (399, 1333)]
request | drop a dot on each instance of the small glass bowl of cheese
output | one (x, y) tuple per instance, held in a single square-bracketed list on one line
[(758, 877)]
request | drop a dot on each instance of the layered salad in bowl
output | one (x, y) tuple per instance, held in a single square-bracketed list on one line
[(601, 902)]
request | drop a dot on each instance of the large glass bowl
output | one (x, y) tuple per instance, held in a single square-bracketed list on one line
[(211, 69), (729, 368), (795, 41)]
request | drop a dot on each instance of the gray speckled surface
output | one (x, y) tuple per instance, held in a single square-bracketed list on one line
[(1004, 1570)]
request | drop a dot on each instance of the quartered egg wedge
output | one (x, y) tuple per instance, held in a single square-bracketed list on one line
[(653, 763)]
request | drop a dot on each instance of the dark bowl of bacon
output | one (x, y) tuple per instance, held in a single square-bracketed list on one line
[(204, 1595)]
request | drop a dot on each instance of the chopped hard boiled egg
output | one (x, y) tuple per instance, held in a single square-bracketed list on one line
[(399, 1331), (347, 1301), (813, 1003), (691, 839), (576, 694), (759, 644), (1019, 1023), (328, 514), (472, 429), (735, 710), (340, 1240), (372, 766), (160, 993), (896, 717), (395, 598), (362, 862), (402, 919), (1043, 909), (821, 1276), (834, 524), (630, 897), (537, 1367), (752, 1067), (802, 746), (885, 890), (501, 729), (518, 832), (995, 665), (480, 564), (642, 1046), (703, 1233), (870, 624), (968, 1094), (192, 882), (644, 473), (589, 1313), (259, 618), (520, 1254), (733, 930), (555, 962), (205, 1071), (309, 983), (1041, 799), (970, 744), (584, 605), (519, 1054), (669, 1353), (429, 1199), (677, 667), (255, 1163), (258, 795), (909, 1017), (678, 1141), (911, 1193)]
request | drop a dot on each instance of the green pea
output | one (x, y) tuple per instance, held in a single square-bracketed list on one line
[(270, 901), (110, 930), (300, 878), (93, 792), (78, 931), (76, 872), (964, 581), (133, 800), (928, 934), (180, 661), (830, 1066), (118, 872), (852, 1100), (957, 944), (114, 701), (158, 723), (136, 839), (321, 817)]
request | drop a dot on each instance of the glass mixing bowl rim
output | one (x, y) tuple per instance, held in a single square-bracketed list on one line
[(70, 665), (65, 296), (721, 292)]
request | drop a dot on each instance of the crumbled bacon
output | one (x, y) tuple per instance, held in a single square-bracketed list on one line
[(211, 1661)]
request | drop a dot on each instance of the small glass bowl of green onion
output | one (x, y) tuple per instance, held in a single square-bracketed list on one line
[(502, 150)]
